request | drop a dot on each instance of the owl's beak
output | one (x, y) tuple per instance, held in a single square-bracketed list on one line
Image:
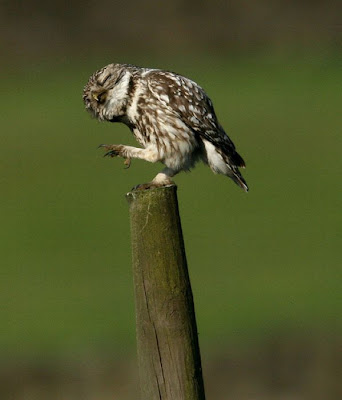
[(100, 97)]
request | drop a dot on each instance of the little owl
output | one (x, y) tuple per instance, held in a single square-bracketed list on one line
[(170, 116)]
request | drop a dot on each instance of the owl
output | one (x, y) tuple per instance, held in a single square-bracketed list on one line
[(170, 116)]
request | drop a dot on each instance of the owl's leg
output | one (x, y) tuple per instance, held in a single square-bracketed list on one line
[(128, 152), (164, 177), (148, 154)]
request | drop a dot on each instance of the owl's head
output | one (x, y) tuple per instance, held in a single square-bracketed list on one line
[(105, 94)]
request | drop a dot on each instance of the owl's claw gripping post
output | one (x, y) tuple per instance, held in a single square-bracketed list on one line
[(145, 186)]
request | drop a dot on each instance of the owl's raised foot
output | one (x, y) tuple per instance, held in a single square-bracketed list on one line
[(114, 150), (111, 153)]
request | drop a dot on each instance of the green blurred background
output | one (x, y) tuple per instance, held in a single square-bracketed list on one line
[(265, 266)]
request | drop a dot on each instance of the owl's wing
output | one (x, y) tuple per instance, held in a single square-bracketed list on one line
[(187, 101)]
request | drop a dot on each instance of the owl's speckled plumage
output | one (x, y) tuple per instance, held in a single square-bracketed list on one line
[(170, 116)]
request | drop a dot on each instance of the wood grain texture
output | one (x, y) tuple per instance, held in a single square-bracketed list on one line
[(167, 340)]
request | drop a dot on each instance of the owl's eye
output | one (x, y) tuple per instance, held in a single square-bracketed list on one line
[(100, 97)]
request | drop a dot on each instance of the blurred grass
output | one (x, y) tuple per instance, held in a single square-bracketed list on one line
[(261, 262)]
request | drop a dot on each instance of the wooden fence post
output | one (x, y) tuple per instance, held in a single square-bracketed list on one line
[(167, 341)]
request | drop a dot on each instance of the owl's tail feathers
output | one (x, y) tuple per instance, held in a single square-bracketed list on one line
[(235, 174), (233, 162), (226, 164), (237, 160)]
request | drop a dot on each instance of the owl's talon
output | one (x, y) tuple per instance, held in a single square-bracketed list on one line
[(143, 186), (111, 153), (150, 185), (127, 163)]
